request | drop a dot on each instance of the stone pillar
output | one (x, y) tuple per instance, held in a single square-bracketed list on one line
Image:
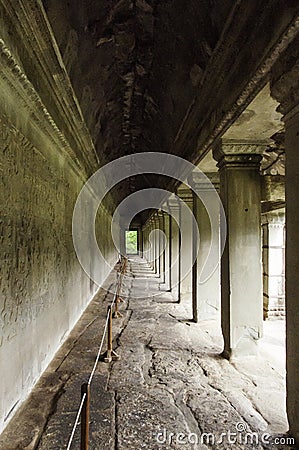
[(157, 245), (153, 244), (175, 259), (273, 264), (123, 249), (144, 241), (241, 268), (285, 89), (186, 249), (206, 295), (162, 245), (147, 243), (139, 241), (150, 244), (195, 255), (167, 253)]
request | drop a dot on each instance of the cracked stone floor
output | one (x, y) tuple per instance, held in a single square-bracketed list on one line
[(169, 389)]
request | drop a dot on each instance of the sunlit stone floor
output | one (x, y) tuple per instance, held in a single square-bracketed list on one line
[(170, 389)]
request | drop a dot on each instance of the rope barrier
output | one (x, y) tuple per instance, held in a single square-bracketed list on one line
[(120, 276), (110, 355), (99, 352)]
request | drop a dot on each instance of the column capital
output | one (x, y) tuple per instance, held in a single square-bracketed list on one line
[(151, 220), (274, 217), (210, 182), (161, 214), (185, 194), (284, 82), (173, 204), (239, 153)]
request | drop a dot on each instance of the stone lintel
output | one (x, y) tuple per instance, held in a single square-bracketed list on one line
[(269, 206)]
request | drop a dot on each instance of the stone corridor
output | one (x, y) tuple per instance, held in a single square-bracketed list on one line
[(170, 379)]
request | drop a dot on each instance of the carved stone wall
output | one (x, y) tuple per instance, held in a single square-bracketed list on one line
[(43, 289)]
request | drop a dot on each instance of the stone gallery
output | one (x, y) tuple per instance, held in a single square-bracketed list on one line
[(149, 224)]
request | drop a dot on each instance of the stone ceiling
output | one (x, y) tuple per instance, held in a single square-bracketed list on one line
[(166, 75), (135, 67)]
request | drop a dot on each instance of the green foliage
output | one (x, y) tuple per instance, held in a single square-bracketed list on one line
[(131, 241)]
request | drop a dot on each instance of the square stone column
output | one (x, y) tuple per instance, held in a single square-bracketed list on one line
[(175, 245), (123, 249), (205, 295), (139, 241), (161, 215), (186, 253), (285, 89), (168, 251), (157, 245), (151, 244), (146, 242), (241, 262)]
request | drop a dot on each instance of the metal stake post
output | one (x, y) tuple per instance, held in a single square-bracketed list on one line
[(110, 354), (85, 389)]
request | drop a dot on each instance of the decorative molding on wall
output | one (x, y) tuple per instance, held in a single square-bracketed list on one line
[(49, 88), (19, 87)]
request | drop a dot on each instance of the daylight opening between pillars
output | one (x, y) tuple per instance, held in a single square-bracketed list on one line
[(131, 242)]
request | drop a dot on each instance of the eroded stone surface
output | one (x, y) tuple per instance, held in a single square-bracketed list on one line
[(171, 389)]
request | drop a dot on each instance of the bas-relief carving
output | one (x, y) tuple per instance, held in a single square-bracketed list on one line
[(39, 182), (35, 230), (33, 247)]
